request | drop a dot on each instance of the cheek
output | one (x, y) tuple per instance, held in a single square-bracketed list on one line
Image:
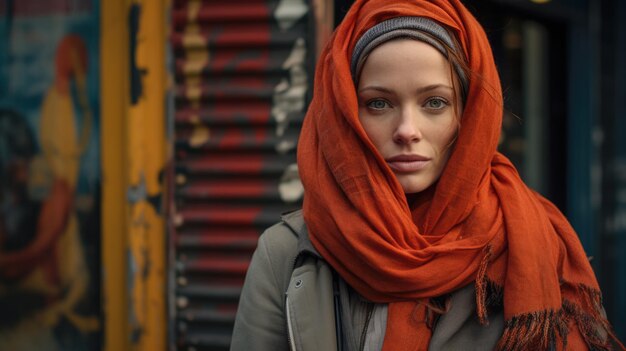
[(376, 132), (445, 140)]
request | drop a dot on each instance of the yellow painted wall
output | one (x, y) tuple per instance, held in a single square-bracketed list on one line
[(114, 105), (133, 157), (147, 161)]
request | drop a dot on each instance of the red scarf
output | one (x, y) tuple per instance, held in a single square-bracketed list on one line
[(480, 223)]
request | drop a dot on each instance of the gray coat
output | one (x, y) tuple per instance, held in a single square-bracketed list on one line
[(288, 302)]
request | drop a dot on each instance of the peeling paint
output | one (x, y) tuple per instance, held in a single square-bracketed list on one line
[(199, 136), (134, 325), (194, 7), (139, 192), (289, 96), (244, 174), (284, 146), (145, 225), (181, 179), (290, 187), (178, 220), (288, 12), (196, 61)]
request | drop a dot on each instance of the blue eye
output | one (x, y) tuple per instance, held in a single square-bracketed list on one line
[(377, 104), (436, 103)]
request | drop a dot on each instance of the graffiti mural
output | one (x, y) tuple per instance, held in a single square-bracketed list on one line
[(49, 166)]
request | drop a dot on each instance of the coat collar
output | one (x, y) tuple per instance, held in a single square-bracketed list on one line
[(295, 221)]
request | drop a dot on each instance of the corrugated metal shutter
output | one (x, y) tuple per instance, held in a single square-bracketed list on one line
[(242, 72)]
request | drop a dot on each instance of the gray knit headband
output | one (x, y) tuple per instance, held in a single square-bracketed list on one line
[(418, 28)]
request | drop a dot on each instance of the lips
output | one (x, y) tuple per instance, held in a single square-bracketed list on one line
[(407, 163)]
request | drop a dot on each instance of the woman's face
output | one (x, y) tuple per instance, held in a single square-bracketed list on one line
[(407, 108)]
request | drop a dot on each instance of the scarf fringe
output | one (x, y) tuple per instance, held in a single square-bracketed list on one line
[(490, 296), (541, 330), (534, 331), (487, 292), (591, 321)]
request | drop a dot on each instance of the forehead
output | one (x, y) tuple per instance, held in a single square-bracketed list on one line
[(400, 58), (406, 47)]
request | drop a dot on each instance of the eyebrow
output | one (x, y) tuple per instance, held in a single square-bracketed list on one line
[(419, 91)]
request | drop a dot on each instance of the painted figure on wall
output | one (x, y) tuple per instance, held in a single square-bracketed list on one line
[(48, 200)]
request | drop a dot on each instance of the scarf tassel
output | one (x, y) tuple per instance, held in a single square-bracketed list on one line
[(534, 331), (539, 330), (591, 320), (488, 293)]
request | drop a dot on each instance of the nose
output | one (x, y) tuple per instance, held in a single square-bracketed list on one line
[(407, 130)]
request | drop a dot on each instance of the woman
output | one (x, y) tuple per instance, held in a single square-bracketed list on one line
[(415, 234)]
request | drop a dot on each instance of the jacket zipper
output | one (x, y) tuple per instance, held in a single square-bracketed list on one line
[(290, 339), (370, 310)]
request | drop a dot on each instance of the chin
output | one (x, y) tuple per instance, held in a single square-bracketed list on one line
[(412, 186)]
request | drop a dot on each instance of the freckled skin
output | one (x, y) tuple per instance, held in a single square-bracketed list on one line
[(408, 106)]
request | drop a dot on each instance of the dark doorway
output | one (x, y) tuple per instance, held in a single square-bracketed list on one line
[(530, 52)]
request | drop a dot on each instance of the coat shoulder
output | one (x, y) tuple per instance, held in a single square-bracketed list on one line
[(282, 238), (279, 244), (261, 322)]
